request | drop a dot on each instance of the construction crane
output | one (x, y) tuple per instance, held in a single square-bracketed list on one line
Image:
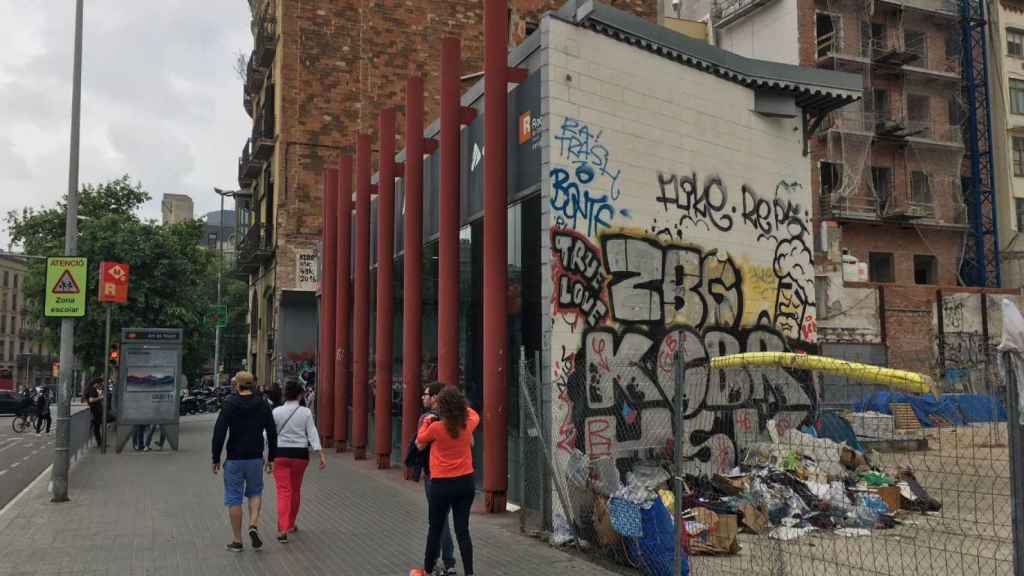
[(981, 262)]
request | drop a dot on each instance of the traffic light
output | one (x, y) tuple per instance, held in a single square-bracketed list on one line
[(115, 355)]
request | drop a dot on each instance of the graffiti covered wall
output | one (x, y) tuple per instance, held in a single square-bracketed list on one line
[(676, 219)]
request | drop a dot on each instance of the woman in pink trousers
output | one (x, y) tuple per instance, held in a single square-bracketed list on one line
[(296, 436)]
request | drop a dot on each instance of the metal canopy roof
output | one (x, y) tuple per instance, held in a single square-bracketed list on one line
[(816, 90)]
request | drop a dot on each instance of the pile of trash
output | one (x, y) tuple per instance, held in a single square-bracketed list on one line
[(785, 488)]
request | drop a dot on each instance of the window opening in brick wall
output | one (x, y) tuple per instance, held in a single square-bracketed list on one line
[(827, 27), (914, 43), (1018, 206), (925, 269), (879, 103), (881, 180), (919, 114), (955, 111), (831, 177), (872, 38), (880, 267), (920, 188)]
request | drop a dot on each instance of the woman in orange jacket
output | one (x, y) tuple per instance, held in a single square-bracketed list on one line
[(451, 474)]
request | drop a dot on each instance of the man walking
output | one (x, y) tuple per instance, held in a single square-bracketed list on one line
[(244, 420)]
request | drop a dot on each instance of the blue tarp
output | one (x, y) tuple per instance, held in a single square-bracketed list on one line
[(957, 409), (924, 406), (978, 408), (834, 427)]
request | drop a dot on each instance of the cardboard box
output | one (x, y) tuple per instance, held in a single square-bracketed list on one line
[(891, 496)]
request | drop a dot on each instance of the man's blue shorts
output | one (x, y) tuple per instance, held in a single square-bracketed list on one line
[(242, 477)]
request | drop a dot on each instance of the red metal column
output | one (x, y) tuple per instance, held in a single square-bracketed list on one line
[(385, 286), (448, 227), (412, 302), (344, 306), (328, 300), (361, 300), (495, 417)]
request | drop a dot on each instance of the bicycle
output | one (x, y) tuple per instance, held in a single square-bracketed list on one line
[(24, 421)]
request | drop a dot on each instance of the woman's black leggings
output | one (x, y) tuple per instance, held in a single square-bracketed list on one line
[(455, 494)]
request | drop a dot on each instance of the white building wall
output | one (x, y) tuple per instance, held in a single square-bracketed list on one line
[(1006, 125), (639, 264), (767, 34)]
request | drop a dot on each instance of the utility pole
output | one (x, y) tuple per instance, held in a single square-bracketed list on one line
[(61, 454)]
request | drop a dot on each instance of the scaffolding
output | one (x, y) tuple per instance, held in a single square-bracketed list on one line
[(898, 155), (981, 266)]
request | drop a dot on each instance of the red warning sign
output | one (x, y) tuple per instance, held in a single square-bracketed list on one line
[(66, 284), (113, 283)]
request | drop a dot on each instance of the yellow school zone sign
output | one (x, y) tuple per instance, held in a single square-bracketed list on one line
[(65, 287)]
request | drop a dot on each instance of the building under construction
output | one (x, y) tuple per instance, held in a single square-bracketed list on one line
[(886, 170), (903, 180)]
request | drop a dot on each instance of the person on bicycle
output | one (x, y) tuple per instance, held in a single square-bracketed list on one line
[(42, 406)]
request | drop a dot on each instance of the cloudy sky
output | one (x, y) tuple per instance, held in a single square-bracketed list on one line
[(160, 98)]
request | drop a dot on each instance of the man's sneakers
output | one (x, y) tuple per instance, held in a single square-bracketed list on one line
[(254, 536), (234, 547)]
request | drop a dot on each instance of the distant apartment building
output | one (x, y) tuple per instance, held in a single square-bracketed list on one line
[(176, 208), (318, 73), (1006, 79), (220, 231), (25, 359)]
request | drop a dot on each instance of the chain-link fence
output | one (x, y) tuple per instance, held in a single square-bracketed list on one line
[(901, 479)]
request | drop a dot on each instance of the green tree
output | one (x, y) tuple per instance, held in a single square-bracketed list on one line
[(169, 277)]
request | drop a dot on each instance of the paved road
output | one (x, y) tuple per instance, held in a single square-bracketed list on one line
[(22, 458)]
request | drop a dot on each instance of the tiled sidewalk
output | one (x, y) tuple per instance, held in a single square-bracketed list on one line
[(161, 513)]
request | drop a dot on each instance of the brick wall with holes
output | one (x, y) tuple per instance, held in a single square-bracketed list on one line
[(345, 60)]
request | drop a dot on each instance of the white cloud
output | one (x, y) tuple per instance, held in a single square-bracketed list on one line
[(160, 102)]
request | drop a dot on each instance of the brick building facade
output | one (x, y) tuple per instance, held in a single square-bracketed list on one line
[(318, 74)]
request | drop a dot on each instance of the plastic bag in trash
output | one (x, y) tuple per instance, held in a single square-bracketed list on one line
[(578, 469), (625, 516), (654, 552), (562, 532), (648, 475)]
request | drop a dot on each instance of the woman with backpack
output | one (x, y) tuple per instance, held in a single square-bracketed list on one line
[(296, 435), (450, 438)]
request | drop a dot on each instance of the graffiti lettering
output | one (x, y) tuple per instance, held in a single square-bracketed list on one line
[(581, 147), (698, 205), (574, 204), (577, 277), (652, 282), (623, 399), (769, 217)]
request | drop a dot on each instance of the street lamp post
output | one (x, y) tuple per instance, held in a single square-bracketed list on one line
[(62, 454), (220, 275)]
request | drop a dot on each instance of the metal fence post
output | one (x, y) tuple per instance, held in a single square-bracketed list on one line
[(678, 408), (1015, 432)]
